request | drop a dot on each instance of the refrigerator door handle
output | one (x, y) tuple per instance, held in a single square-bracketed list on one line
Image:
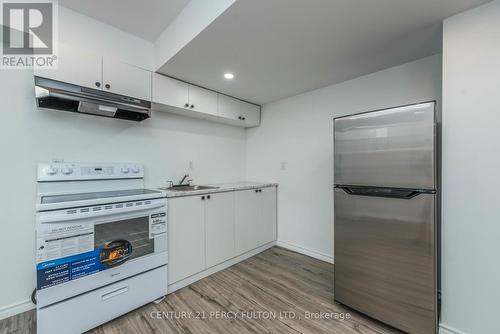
[(384, 192)]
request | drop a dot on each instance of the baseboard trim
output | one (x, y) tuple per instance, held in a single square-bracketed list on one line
[(212, 270), (445, 329), (16, 308), (305, 251)]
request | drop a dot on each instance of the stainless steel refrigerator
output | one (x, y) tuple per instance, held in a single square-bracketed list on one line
[(386, 215)]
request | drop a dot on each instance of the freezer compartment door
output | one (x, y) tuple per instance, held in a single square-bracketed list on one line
[(385, 264), (388, 148)]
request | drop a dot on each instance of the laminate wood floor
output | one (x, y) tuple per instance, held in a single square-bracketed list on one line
[(272, 292)]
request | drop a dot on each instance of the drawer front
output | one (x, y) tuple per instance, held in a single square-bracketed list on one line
[(82, 313)]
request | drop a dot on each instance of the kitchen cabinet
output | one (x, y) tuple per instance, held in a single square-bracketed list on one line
[(207, 230), (219, 227), (75, 67), (250, 114), (186, 99), (101, 73), (202, 100), (229, 107), (244, 113), (171, 95), (247, 216), (186, 237), (266, 222), (169, 91), (124, 79), (255, 218)]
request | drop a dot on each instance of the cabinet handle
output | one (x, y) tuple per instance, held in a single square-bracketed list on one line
[(243, 118), (107, 86), (191, 106), (202, 198), (97, 84), (208, 197), (186, 105), (239, 117)]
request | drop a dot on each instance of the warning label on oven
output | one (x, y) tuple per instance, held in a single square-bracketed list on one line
[(62, 270), (157, 224)]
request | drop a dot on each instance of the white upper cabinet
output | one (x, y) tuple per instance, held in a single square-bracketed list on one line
[(124, 79), (97, 72), (75, 67), (229, 107), (181, 98), (250, 114), (202, 100), (170, 92)]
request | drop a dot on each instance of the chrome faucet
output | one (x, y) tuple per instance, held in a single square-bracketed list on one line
[(181, 182)]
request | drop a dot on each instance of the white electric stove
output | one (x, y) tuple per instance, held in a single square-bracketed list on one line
[(101, 244)]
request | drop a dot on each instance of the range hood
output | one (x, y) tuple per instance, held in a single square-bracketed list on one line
[(52, 94)]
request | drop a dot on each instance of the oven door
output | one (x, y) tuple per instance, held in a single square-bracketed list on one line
[(95, 247)]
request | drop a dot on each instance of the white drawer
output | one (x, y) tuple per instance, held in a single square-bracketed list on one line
[(84, 312)]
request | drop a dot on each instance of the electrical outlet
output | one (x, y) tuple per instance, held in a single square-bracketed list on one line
[(190, 167), (283, 165)]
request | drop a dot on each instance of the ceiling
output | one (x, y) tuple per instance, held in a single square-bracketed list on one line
[(279, 48), (143, 18)]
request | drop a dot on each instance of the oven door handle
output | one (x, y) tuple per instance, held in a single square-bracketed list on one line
[(64, 216)]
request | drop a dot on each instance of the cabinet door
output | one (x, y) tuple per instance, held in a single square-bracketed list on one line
[(219, 227), (125, 79), (202, 100), (186, 237), (247, 215), (169, 91), (250, 113), (75, 67), (267, 219), (229, 107)]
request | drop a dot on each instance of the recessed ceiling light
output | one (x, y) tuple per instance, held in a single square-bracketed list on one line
[(228, 76)]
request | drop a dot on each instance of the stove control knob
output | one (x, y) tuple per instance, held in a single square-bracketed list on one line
[(136, 169), (52, 170), (125, 170), (67, 170)]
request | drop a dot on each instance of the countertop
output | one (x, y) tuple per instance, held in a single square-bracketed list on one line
[(223, 187)]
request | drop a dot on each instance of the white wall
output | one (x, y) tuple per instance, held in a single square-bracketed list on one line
[(471, 171), (165, 144), (298, 132), (89, 35)]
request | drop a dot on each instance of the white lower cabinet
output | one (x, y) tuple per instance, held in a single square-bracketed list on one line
[(219, 227), (206, 230), (186, 237), (266, 222), (255, 218), (247, 217)]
